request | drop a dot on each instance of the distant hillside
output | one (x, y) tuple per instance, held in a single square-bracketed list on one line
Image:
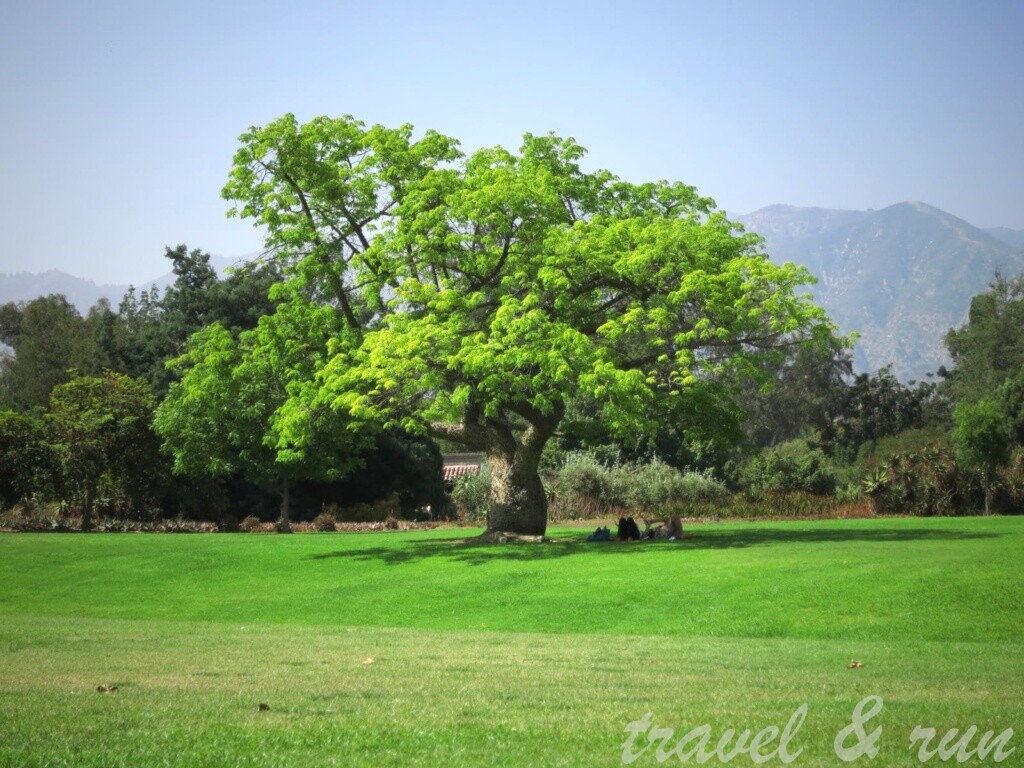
[(901, 276), (1012, 237), (25, 286)]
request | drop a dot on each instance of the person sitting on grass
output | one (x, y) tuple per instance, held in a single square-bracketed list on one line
[(628, 529), (670, 530)]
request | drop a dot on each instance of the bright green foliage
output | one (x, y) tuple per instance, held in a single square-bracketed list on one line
[(982, 440), (99, 427), (24, 457), (194, 419), (242, 404), (483, 292)]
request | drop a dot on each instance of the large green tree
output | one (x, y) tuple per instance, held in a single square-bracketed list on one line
[(479, 293), (242, 405)]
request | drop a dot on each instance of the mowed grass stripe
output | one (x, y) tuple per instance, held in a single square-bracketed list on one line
[(188, 693), (951, 580), (422, 649)]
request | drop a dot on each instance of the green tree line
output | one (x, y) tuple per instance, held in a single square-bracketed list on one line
[(513, 303)]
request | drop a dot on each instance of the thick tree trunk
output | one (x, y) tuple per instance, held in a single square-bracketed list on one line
[(514, 441), (517, 502)]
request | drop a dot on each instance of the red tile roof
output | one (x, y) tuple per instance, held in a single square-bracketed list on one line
[(458, 470)]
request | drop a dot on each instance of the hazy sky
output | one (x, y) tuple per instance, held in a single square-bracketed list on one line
[(120, 118)]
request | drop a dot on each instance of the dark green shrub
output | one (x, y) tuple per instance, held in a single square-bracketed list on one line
[(38, 518), (754, 505), (374, 512), (583, 488), (1010, 489), (924, 482), (791, 466)]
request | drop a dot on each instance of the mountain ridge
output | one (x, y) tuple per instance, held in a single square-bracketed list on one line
[(82, 292), (900, 276)]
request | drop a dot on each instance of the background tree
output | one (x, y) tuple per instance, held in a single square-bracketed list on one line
[(49, 338), (1010, 397), (152, 329), (875, 406), (698, 432), (478, 294), (989, 348), (24, 457), (801, 397), (982, 441), (99, 427), (238, 397), (104, 348)]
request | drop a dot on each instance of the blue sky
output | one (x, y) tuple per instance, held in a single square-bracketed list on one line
[(120, 119)]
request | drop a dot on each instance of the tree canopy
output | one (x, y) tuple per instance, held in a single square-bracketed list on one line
[(480, 293)]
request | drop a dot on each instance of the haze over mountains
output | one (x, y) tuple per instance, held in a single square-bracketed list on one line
[(901, 276), (84, 293)]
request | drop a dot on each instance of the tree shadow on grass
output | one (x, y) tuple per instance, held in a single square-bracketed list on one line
[(478, 551)]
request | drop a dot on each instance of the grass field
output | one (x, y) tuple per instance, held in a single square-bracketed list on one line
[(425, 649)]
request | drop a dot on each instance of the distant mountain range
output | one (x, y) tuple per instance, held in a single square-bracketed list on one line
[(901, 276), (25, 286)]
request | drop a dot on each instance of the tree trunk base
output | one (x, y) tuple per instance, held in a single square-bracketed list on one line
[(508, 537), (517, 503)]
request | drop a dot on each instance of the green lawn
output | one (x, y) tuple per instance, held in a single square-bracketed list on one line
[(424, 649)]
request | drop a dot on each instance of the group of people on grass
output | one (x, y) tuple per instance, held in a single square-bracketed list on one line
[(628, 530)]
